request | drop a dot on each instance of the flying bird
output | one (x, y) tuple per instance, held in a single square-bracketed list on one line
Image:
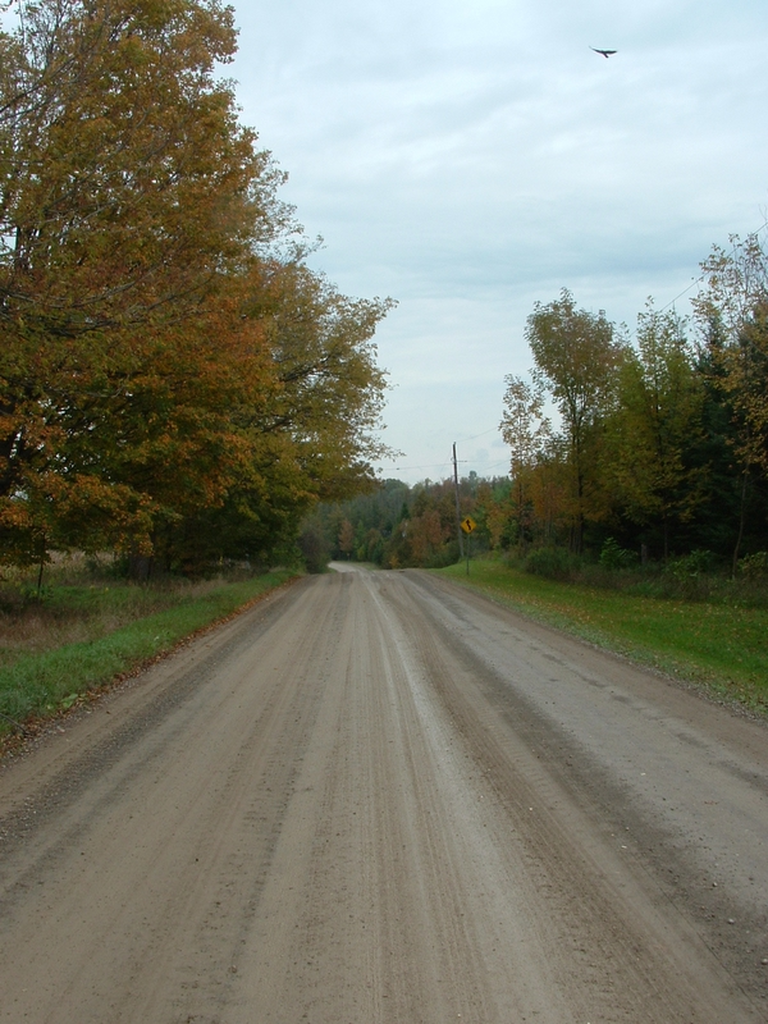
[(605, 53)]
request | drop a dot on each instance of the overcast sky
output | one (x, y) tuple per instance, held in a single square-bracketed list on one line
[(470, 157)]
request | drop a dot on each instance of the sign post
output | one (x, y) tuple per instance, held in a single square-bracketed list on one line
[(468, 524)]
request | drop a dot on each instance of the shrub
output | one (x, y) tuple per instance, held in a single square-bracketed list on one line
[(613, 556), (754, 567), (446, 555), (694, 564), (552, 563)]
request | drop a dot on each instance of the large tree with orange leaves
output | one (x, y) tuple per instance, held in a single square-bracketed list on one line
[(142, 378)]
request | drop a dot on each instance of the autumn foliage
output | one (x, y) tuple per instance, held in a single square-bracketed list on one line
[(635, 451), (175, 382), (663, 436)]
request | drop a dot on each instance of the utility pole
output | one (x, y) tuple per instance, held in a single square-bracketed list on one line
[(458, 510)]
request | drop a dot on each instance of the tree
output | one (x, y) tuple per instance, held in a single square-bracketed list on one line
[(732, 311), (346, 538), (656, 427), (426, 534), (128, 187), (129, 200), (329, 389), (169, 364), (304, 423), (528, 433), (735, 303), (576, 359)]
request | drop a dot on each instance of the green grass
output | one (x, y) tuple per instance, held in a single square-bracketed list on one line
[(717, 646), (124, 627)]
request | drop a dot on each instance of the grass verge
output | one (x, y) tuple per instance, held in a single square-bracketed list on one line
[(37, 684), (721, 648)]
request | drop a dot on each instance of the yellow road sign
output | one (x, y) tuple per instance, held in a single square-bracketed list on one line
[(468, 524)]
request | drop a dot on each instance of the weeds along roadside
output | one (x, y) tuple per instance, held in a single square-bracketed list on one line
[(60, 651)]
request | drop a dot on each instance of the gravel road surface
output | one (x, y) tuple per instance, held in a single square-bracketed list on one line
[(377, 797)]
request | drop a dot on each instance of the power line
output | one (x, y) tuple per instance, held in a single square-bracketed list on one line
[(701, 277)]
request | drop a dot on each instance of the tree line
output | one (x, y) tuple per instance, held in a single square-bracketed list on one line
[(399, 526), (661, 440), (641, 448), (175, 382)]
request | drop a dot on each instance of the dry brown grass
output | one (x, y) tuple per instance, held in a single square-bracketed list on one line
[(81, 600)]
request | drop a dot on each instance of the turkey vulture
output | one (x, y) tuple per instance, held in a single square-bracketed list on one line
[(605, 53)]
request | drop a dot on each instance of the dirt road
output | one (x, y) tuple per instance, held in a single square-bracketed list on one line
[(379, 798)]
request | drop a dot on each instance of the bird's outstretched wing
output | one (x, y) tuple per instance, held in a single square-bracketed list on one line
[(605, 53)]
